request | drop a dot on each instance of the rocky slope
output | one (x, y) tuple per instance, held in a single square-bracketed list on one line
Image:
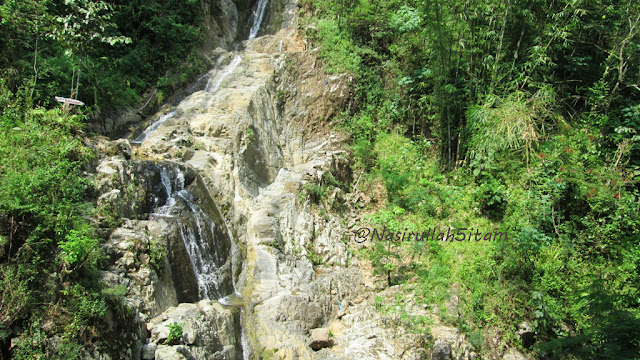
[(245, 140)]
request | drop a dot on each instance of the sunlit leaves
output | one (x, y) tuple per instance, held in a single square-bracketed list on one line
[(85, 21), (77, 248), (406, 19), (515, 122)]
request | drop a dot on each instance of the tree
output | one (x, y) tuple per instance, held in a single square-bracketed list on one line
[(22, 23), (81, 24)]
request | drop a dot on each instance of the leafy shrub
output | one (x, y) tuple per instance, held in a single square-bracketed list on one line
[(568, 197), (337, 49), (16, 296), (406, 19), (492, 197), (157, 254), (116, 291), (49, 268), (175, 334), (315, 192), (476, 338), (314, 257), (515, 123), (78, 249)]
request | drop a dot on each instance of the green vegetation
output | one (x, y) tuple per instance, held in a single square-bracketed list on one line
[(157, 254), (313, 257), (395, 310), (513, 116), (49, 257), (508, 116), (249, 136), (175, 334), (107, 54), (326, 192)]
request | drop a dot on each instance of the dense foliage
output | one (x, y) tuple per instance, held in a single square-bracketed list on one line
[(105, 53), (502, 115), (49, 249)]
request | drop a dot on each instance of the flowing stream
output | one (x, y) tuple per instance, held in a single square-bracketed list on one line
[(216, 80), (214, 83), (205, 268), (206, 242), (258, 16), (153, 127)]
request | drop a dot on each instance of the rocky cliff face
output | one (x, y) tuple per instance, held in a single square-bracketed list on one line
[(224, 24), (245, 142)]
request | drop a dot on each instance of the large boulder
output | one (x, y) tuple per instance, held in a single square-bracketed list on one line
[(209, 331), (320, 338)]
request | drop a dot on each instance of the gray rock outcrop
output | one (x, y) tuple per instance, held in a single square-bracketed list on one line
[(209, 331)]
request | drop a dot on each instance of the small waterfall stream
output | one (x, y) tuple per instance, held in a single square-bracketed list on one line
[(258, 16), (153, 127), (244, 342), (202, 254), (206, 241), (204, 260), (214, 83), (217, 78)]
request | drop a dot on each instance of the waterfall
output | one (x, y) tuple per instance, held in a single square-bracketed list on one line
[(199, 250), (204, 257), (153, 127), (214, 83), (258, 16), (244, 342), (204, 239)]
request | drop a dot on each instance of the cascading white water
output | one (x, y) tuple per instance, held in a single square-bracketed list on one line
[(153, 127), (168, 187), (214, 83), (258, 16), (198, 234), (212, 266), (212, 71), (199, 250)]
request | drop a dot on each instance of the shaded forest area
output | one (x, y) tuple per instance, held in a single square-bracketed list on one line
[(103, 52), (501, 115)]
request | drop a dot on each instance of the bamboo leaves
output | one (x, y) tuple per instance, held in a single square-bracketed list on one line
[(516, 122)]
